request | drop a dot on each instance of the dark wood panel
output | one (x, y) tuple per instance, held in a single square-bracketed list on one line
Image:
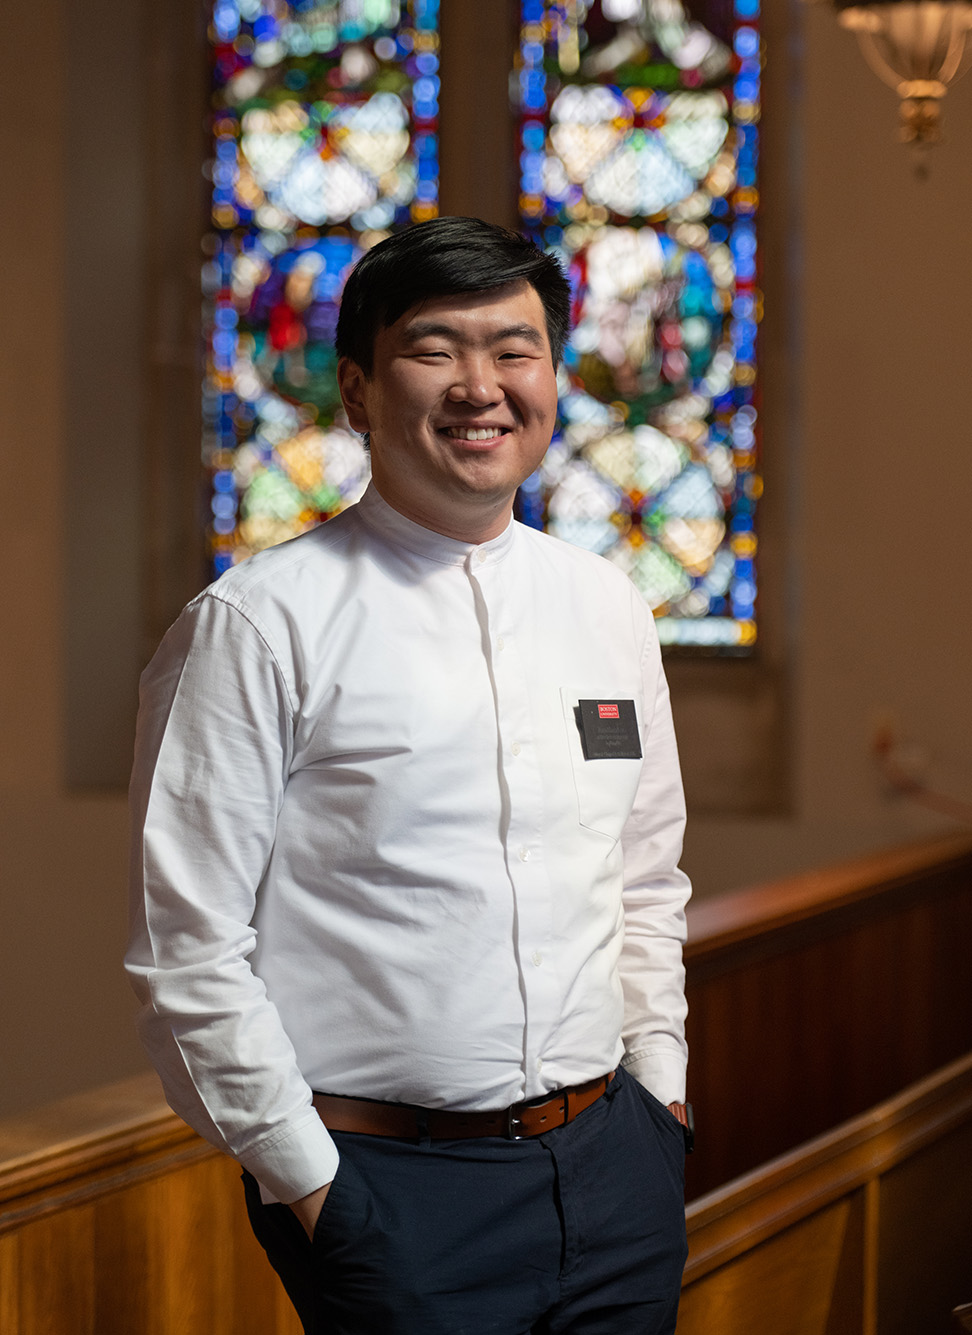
[(864, 1231), (925, 1264), (827, 1007)]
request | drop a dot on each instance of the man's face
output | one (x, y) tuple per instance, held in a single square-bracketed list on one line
[(460, 406)]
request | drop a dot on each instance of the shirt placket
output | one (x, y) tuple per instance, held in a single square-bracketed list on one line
[(526, 859)]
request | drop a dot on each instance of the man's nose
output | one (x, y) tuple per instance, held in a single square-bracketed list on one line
[(476, 381)]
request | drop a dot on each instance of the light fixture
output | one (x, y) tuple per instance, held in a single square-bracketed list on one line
[(918, 47)]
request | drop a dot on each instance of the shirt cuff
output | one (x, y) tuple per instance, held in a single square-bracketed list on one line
[(295, 1164), (661, 1072)]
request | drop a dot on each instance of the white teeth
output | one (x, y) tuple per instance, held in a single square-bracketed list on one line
[(474, 433)]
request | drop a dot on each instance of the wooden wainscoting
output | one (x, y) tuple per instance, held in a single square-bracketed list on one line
[(116, 1219), (810, 1001), (814, 998), (864, 1231)]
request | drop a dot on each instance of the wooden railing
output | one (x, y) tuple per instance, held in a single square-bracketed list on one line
[(865, 1231), (814, 998), (116, 1219), (811, 1001)]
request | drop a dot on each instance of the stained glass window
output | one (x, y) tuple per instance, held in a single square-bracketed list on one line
[(638, 166), (324, 133)]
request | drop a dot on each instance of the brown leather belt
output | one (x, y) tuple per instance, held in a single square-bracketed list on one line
[(406, 1122)]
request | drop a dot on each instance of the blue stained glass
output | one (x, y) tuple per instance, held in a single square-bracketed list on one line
[(425, 89), (661, 366), (324, 139), (533, 136), (226, 21)]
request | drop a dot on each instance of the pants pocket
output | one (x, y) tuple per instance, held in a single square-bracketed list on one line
[(348, 1212)]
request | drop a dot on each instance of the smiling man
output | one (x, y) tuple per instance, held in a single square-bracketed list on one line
[(407, 911)]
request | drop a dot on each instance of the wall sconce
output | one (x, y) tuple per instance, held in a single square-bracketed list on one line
[(917, 47)]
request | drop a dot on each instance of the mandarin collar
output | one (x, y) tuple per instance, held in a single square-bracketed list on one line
[(389, 524)]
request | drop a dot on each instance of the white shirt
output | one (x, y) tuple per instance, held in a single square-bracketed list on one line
[(373, 859)]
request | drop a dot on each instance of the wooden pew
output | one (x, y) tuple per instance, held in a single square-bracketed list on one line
[(816, 997), (115, 1219), (864, 1231)]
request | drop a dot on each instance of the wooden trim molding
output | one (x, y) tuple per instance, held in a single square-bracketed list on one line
[(720, 925), (83, 1147)]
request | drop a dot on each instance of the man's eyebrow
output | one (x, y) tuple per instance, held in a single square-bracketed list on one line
[(420, 329)]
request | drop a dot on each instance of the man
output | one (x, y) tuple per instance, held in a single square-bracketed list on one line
[(408, 918)]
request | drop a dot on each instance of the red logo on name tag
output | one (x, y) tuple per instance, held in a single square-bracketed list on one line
[(607, 711)]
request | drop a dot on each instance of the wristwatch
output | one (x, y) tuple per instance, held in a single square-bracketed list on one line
[(682, 1112)]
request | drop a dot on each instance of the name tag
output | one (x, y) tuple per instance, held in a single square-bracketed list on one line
[(608, 729)]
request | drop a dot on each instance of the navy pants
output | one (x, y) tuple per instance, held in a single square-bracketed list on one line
[(578, 1230)]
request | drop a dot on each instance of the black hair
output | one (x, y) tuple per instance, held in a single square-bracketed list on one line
[(439, 258)]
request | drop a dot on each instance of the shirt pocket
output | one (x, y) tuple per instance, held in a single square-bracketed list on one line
[(605, 788)]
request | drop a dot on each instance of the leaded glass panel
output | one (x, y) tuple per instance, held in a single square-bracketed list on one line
[(638, 161), (324, 135)]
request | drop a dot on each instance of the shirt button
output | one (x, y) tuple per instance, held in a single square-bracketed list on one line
[(480, 557), (501, 644), (516, 748), (537, 958), (524, 855)]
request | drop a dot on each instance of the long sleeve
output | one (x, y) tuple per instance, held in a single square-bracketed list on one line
[(212, 756), (370, 857), (655, 894)]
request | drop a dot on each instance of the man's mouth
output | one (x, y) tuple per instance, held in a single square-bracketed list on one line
[(475, 432)]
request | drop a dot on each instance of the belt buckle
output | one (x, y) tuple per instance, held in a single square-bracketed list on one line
[(512, 1122)]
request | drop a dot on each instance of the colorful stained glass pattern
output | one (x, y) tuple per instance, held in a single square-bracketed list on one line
[(324, 128), (638, 137)]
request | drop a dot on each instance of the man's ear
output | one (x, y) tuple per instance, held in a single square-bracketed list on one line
[(351, 382)]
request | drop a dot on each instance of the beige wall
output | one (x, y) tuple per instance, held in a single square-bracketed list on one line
[(869, 452), (877, 467)]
